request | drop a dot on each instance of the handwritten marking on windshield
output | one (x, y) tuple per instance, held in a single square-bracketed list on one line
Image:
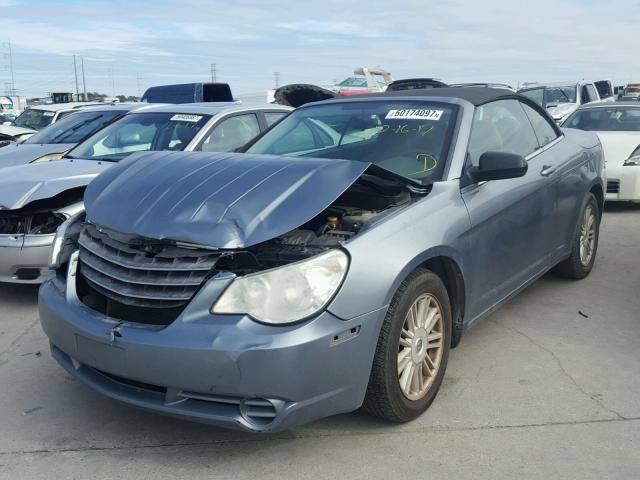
[(404, 129), (429, 162)]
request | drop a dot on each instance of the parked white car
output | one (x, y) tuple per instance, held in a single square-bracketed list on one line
[(36, 118), (618, 126), (561, 99)]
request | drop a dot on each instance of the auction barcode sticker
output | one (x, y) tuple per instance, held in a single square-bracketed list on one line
[(414, 114), (183, 117)]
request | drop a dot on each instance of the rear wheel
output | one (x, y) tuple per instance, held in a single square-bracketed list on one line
[(412, 351), (585, 242)]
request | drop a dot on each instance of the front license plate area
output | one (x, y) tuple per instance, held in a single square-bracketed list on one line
[(103, 356)]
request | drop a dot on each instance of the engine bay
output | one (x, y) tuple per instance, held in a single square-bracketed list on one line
[(369, 197)]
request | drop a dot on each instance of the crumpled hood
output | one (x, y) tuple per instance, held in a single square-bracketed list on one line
[(23, 184), (618, 146), (224, 200), (23, 153), (12, 131)]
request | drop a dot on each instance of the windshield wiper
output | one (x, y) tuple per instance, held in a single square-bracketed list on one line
[(413, 185)]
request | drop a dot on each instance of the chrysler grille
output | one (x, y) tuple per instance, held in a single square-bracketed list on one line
[(152, 275)]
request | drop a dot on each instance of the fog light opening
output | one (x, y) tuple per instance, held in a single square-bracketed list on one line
[(257, 411)]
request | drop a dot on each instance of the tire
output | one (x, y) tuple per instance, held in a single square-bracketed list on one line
[(422, 291), (575, 266)]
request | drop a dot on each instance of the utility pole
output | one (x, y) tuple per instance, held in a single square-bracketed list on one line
[(75, 71), (138, 83), (277, 79), (84, 83), (214, 73), (9, 86)]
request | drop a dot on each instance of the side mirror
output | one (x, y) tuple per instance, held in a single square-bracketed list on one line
[(499, 166)]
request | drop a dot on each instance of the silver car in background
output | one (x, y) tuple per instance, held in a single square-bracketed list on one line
[(36, 198)]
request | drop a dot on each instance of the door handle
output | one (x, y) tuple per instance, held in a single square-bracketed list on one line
[(547, 170)]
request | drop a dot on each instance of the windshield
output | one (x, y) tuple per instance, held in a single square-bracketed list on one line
[(408, 138), (632, 90), (556, 95), (138, 132), (34, 119), (353, 82), (606, 119), (74, 128)]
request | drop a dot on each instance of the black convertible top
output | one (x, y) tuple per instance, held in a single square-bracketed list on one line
[(474, 95)]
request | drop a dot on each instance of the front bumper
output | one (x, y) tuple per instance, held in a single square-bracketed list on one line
[(623, 183), (24, 259), (222, 370)]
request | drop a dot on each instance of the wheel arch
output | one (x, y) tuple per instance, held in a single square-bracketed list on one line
[(598, 192), (447, 264)]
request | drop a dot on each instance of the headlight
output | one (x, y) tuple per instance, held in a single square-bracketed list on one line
[(49, 158), (634, 158), (286, 294), (58, 254)]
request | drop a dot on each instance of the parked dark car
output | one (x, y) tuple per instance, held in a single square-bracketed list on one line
[(188, 93), (414, 84), (331, 266)]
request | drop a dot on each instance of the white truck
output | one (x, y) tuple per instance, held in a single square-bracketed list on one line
[(561, 99), (12, 105)]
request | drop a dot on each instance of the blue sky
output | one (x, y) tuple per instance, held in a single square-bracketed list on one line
[(134, 44)]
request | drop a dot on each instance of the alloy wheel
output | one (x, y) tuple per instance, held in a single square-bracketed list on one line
[(420, 347), (587, 235)]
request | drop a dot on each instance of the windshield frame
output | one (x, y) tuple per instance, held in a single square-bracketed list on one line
[(450, 141)]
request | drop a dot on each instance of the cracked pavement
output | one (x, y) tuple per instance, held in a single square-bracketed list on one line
[(536, 390)]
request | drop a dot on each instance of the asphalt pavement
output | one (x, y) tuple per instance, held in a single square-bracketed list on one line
[(547, 387)]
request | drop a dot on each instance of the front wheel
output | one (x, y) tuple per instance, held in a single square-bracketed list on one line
[(584, 243), (412, 351)]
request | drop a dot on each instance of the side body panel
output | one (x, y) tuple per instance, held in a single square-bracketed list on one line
[(394, 245), (573, 170), (510, 222)]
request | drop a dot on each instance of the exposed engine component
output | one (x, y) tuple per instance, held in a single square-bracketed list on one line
[(29, 223), (41, 217), (363, 201)]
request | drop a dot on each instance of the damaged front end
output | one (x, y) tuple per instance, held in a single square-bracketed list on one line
[(264, 214), (26, 235)]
